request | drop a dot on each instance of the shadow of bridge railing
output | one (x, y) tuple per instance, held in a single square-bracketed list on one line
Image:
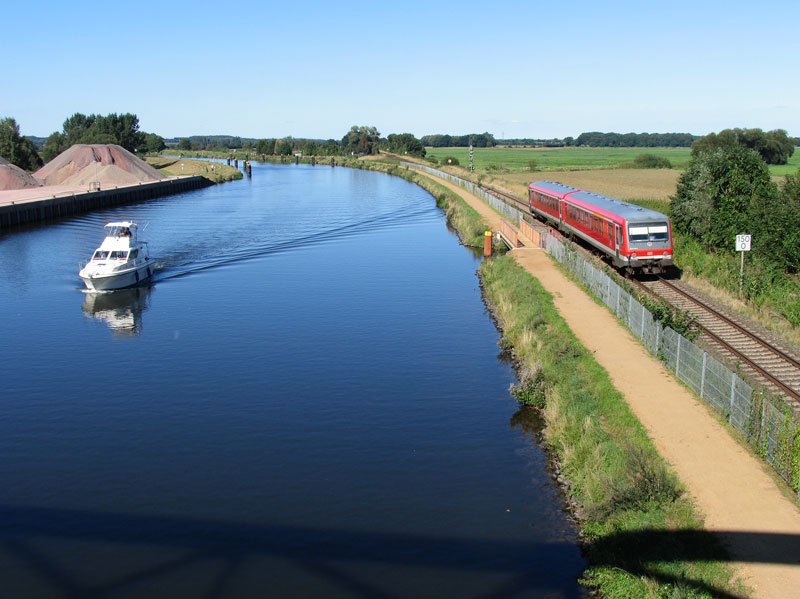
[(521, 568), (328, 555)]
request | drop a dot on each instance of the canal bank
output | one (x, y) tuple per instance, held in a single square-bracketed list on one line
[(640, 529), (26, 206)]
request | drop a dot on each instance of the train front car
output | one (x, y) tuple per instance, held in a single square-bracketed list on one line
[(641, 242), (649, 242)]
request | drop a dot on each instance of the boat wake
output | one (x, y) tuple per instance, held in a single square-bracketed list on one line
[(218, 250)]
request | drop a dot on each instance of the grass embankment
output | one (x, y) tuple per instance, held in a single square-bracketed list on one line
[(641, 535), (213, 171)]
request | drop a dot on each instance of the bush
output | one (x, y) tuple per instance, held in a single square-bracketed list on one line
[(533, 166), (645, 479), (651, 161), (531, 390), (450, 160), (725, 192)]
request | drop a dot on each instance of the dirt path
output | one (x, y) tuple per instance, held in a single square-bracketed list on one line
[(732, 489)]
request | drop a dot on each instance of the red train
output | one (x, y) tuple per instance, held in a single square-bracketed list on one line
[(636, 239)]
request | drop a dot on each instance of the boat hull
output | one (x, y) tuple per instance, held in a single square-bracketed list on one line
[(117, 280)]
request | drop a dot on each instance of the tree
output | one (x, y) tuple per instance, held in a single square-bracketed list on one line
[(265, 146), (153, 143), (782, 235), (405, 143), (121, 129), (53, 146), (15, 148), (361, 140), (184, 144), (284, 147), (774, 147), (724, 192), (631, 140)]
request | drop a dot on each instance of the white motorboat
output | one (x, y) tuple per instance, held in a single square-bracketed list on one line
[(120, 261)]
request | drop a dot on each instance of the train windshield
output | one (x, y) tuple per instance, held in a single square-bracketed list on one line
[(649, 232)]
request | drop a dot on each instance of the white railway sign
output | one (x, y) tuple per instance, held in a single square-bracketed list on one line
[(742, 245), (743, 242)]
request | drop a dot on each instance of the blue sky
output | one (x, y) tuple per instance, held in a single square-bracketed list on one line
[(313, 69)]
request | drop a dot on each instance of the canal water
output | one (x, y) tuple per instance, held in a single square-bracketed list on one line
[(308, 401)]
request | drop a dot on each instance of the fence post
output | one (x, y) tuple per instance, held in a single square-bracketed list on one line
[(703, 375), (643, 311), (630, 309), (619, 290), (733, 393), (658, 337), (678, 357)]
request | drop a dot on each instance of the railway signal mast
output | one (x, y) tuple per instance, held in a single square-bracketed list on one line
[(471, 159), (742, 246)]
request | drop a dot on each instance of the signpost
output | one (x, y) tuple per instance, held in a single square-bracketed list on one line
[(742, 246)]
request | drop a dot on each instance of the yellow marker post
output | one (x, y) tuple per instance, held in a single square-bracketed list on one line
[(487, 243)]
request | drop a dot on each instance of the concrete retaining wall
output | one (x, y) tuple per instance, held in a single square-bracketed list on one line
[(46, 208)]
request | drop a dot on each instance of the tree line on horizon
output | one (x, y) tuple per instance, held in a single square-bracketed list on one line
[(29, 153)]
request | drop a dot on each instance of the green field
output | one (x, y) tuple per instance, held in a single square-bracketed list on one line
[(557, 159), (787, 169), (517, 160)]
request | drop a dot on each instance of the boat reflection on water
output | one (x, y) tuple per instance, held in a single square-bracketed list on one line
[(121, 310)]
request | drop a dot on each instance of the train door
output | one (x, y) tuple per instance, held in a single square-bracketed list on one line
[(617, 239)]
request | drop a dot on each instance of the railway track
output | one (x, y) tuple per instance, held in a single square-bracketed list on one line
[(507, 197), (761, 356)]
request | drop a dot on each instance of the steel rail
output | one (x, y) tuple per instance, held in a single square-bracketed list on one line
[(734, 324), (727, 346)]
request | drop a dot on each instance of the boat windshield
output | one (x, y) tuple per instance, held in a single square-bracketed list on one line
[(648, 232), (118, 231), (119, 255), (100, 255)]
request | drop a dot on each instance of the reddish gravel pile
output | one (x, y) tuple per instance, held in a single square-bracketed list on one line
[(13, 177), (107, 163)]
